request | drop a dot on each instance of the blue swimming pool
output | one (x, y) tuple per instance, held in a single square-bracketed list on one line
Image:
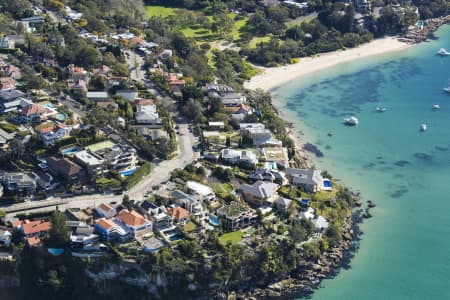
[(70, 150), (48, 105), (213, 221), (61, 117), (327, 183), (175, 237), (271, 165), (128, 172), (55, 251)]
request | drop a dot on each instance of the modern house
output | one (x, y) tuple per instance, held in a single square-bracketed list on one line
[(283, 203), (5, 138), (106, 211), (12, 100), (115, 156), (111, 231), (203, 192), (191, 204), (92, 163), (81, 235), (232, 99), (258, 134), (310, 180), (68, 170), (15, 181), (49, 135), (236, 216), (261, 192), (320, 223), (278, 155), (5, 237), (157, 214), (233, 156), (179, 215), (134, 223)]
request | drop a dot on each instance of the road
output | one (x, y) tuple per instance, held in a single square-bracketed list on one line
[(160, 173), (135, 62)]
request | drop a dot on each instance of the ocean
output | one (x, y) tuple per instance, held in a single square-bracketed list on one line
[(405, 249)]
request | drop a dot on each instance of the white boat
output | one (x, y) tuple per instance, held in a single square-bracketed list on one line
[(447, 89), (381, 109), (436, 106), (352, 121), (443, 52), (423, 127)]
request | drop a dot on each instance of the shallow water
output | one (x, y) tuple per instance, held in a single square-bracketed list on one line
[(405, 251)]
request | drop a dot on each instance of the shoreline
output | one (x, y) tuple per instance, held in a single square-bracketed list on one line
[(271, 78)]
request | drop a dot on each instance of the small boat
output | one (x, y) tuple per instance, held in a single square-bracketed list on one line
[(436, 106), (381, 109), (423, 127), (447, 89), (330, 134), (352, 121), (443, 52)]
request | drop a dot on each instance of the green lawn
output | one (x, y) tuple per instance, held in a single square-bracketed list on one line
[(159, 11), (222, 187), (235, 33), (256, 40), (233, 237), (190, 226), (98, 146)]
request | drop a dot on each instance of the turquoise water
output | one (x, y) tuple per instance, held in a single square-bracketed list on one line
[(405, 250)]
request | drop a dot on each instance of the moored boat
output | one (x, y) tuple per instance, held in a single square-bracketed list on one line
[(381, 109), (423, 127), (436, 106), (443, 52), (352, 121)]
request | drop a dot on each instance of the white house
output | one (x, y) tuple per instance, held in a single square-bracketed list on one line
[(106, 211), (202, 191), (310, 180), (58, 131)]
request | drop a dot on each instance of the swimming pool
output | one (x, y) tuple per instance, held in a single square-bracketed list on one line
[(175, 237), (128, 172), (48, 105), (271, 165), (213, 221), (61, 117), (327, 183), (55, 251), (70, 150)]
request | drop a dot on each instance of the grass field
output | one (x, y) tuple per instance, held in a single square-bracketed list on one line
[(233, 237), (99, 146), (159, 11), (189, 226), (256, 40)]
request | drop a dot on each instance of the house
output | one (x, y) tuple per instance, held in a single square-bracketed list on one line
[(103, 70), (7, 43), (240, 112), (283, 203), (175, 83), (12, 100), (106, 211), (78, 84), (232, 99), (134, 223), (310, 180), (49, 135), (114, 156), (109, 105), (16, 181), (179, 215), (36, 113), (203, 192), (157, 214), (216, 125), (320, 223), (77, 73), (260, 192), (9, 70), (5, 237), (81, 235), (267, 175), (146, 112), (5, 138), (258, 134), (111, 231), (236, 216), (278, 155), (92, 163), (97, 96), (218, 88), (164, 54), (233, 156), (32, 231), (7, 83), (191, 204), (46, 181), (68, 170), (129, 95)]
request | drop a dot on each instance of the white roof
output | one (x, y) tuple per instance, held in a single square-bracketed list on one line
[(97, 94), (199, 188), (88, 158), (216, 124), (321, 223)]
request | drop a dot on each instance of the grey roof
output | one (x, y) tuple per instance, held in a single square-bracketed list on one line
[(283, 201), (9, 95), (305, 176), (260, 189), (5, 136), (182, 195)]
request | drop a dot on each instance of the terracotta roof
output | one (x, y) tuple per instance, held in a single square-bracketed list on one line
[(173, 80), (132, 218), (105, 207), (34, 109), (106, 223), (144, 102), (178, 212), (33, 241), (239, 107), (32, 227)]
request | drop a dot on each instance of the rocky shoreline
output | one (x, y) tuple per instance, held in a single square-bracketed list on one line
[(418, 35)]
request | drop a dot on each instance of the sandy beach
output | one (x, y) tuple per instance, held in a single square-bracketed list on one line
[(271, 78)]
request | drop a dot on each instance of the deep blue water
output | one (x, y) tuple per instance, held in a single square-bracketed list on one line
[(405, 250)]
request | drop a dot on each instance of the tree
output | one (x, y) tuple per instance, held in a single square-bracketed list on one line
[(59, 232), (126, 200)]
